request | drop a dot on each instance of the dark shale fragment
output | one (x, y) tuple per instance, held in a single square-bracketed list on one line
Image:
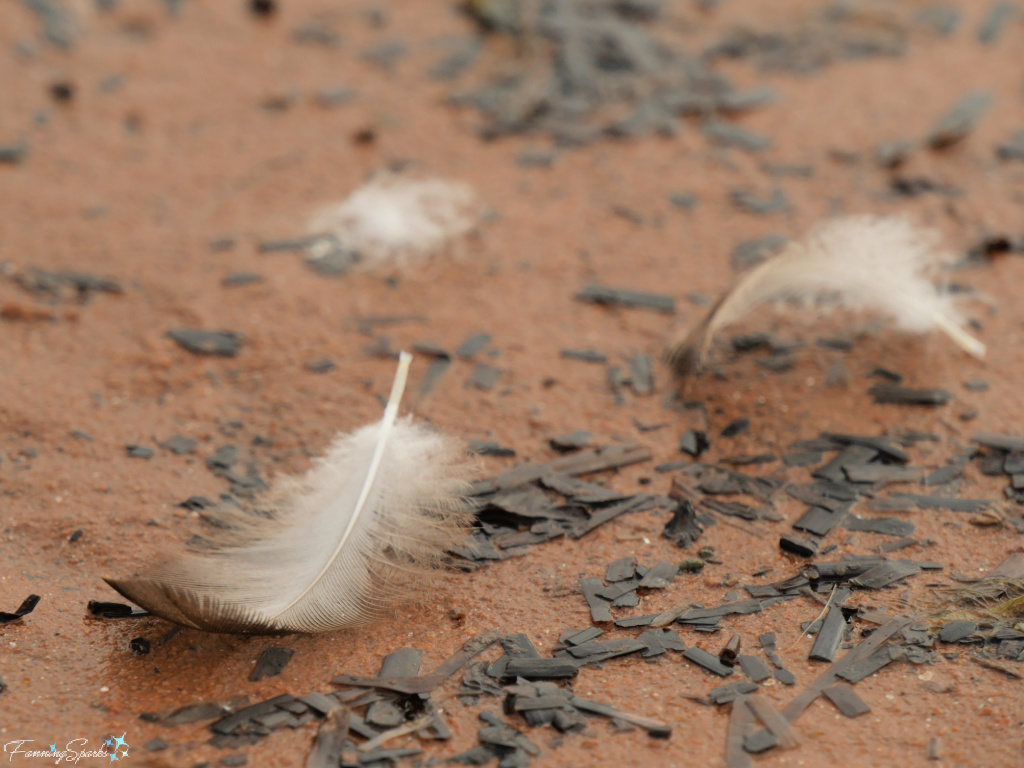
[(272, 662), (894, 394), (200, 342), (846, 700), (623, 297), (702, 658), (27, 606), (956, 124), (833, 628)]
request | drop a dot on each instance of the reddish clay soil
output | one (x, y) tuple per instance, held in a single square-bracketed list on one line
[(133, 184)]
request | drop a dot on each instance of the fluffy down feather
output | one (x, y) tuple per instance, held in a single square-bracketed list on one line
[(339, 546), (880, 264)]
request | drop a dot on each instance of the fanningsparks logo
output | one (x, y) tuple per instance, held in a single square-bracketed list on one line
[(112, 750)]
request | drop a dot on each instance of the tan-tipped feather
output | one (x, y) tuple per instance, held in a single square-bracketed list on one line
[(339, 546), (881, 264)]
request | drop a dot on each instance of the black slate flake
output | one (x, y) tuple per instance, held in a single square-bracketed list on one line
[(27, 606), (484, 377), (200, 342), (846, 700), (540, 669), (623, 297), (228, 725), (999, 442), (694, 442), (330, 740), (1011, 149), (869, 665), (597, 651), (155, 745), (943, 475), (179, 445), (683, 527), (753, 668), (621, 569), (888, 526), (636, 621), (138, 452), (749, 201), (585, 355), (731, 135), (606, 514), (941, 502), (12, 154), (736, 428), (685, 201), (833, 628), (272, 662), (731, 691), (798, 545), (489, 448), (321, 365), (702, 658), (885, 574), (747, 460), (654, 728), (785, 677), (995, 22), (801, 458), (600, 609), (572, 441), (100, 609), (955, 631), (473, 346), (435, 371), (894, 394), (956, 124), (240, 279), (641, 375), (580, 636)]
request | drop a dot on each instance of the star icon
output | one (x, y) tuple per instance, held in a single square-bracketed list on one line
[(120, 742), (53, 747), (113, 757)]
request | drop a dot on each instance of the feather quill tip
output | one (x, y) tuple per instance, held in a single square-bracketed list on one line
[(339, 547)]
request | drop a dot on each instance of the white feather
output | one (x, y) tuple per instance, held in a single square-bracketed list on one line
[(880, 264), (394, 216), (356, 534)]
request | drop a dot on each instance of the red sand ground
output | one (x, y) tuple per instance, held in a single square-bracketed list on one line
[(207, 160)]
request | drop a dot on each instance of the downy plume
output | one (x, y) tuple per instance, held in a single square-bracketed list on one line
[(339, 546), (394, 216), (873, 263)]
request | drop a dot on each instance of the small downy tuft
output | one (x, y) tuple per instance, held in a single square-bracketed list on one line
[(863, 262), (360, 532), (395, 217)]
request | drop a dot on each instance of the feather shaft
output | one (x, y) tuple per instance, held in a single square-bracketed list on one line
[(390, 414)]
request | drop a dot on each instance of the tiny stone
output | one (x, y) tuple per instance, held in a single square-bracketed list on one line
[(324, 365), (139, 452)]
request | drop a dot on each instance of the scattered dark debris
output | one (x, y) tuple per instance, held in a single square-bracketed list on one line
[(473, 346), (489, 448), (1011, 149), (200, 342), (140, 646), (623, 297), (484, 377), (321, 365), (732, 135), (585, 355), (572, 441), (895, 394), (239, 279), (735, 428), (956, 124), (13, 154), (749, 201), (62, 91), (105, 610), (595, 71), (685, 201), (52, 285), (27, 606), (139, 452), (752, 252), (263, 7), (694, 442), (272, 662), (999, 16)]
